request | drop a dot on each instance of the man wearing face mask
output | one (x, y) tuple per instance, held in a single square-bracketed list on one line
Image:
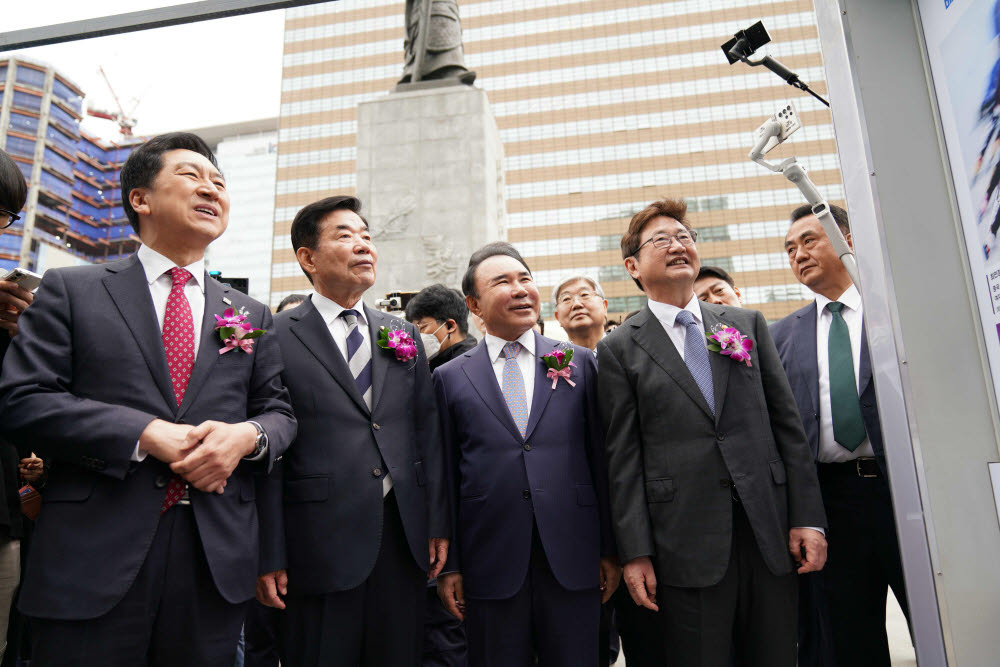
[(442, 318)]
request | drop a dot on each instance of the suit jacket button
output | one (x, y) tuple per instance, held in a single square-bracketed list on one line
[(376, 472), (161, 481), (720, 436), (526, 494), (376, 426), (527, 447)]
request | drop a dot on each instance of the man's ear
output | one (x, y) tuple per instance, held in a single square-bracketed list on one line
[(632, 267), (850, 240), (138, 198), (473, 304), (738, 295), (305, 257), (450, 325)]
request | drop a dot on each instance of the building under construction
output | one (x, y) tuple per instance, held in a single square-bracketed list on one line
[(73, 214)]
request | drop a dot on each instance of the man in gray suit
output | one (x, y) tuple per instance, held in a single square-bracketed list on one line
[(356, 514), (713, 492)]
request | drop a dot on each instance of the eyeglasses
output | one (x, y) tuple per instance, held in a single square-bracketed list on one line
[(567, 297), (9, 216), (661, 241)]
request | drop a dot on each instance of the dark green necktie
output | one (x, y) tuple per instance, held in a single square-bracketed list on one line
[(848, 426)]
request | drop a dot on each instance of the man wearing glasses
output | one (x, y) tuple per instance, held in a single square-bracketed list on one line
[(13, 194), (714, 497), (581, 310)]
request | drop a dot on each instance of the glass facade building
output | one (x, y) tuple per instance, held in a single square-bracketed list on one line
[(602, 108)]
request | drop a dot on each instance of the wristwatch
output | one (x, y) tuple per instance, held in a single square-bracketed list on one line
[(260, 444)]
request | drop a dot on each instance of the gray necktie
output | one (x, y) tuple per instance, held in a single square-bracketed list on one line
[(696, 356)]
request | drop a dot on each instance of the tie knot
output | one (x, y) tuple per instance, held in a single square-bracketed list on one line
[(685, 317), (835, 307), (350, 313), (511, 350), (179, 276)]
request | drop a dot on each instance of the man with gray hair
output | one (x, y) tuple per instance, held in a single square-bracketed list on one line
[(581, 309)]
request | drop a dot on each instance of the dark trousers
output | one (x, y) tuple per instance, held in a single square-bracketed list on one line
[(639, 629), (444, 635), (260, 636), (862, 563), (378, 624), (750, 612), (172, 615), (542, 618)]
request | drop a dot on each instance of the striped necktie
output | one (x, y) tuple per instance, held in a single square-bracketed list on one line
[(513, 387)]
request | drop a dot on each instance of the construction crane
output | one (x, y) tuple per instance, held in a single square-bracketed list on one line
[(125, 120)]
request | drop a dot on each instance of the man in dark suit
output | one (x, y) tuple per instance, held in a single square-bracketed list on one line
[(711, 481), (533, 550), (825, 353), (146, 548), (361, 516)]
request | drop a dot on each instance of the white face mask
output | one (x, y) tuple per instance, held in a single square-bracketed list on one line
[(431, 344)]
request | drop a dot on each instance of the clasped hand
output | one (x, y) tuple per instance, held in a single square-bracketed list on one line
[(204, 455)]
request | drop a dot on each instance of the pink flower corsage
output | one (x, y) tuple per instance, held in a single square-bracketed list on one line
[(234, 332), (730, 342), (399, 342), (560, 365)]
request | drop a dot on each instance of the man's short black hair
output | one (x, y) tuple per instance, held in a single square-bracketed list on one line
[(715, 272), (306, 227), (839, 214), (291, 301), (441, 304), (483, 254), (13, 188), (145, 162)]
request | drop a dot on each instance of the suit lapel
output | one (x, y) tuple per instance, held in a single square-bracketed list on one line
[(805, 353), (721, 364), (479, 370), (209, 345), (314, 334), (648, 333), (127, 285), (543, 386), (380, 357)]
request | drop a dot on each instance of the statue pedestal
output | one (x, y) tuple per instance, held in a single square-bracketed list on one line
[(430, 176)]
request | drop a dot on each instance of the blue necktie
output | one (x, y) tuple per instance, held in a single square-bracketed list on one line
[(696, 356), (513, 387)]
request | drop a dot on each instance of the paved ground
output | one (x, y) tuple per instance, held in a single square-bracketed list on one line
[(899, 638)]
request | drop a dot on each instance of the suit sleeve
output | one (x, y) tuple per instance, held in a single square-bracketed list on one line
[(268, 403), (623, 442), (450, 455), (428, 434), (36, 393), (805, 502), (270, 513), (596, 453)]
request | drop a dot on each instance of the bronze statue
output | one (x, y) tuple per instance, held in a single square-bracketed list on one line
[(434, 43)]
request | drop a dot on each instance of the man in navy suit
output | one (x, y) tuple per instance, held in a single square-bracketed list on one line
[(146, 549), (533, 554), (825, 354), (358, 517)]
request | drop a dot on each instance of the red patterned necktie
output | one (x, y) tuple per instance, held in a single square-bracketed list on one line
[(178, 343)]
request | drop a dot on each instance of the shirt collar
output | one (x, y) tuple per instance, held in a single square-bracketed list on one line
[(155, 265), (494, 345), (851, 298), (330, 310), (667, 313)]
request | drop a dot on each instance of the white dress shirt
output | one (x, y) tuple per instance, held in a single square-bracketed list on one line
[(829, 450), (330, 311), (667, 315), (525, 361), (157, 269)]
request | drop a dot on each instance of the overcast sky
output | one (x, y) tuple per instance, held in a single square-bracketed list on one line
[(184, 77)]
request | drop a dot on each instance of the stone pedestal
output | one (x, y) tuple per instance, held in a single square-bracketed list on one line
[(430, 176)]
